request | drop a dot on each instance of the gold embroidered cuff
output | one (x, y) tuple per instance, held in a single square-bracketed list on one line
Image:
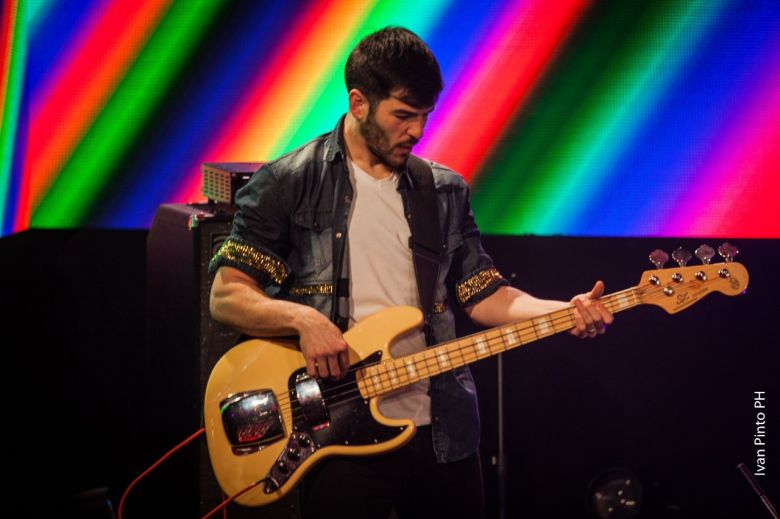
[(245, 254), (311, 290), (475, 284)]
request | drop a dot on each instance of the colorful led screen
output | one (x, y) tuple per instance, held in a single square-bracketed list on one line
[(613, 118)]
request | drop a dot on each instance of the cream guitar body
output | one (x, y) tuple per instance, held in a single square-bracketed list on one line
[(272, 374)]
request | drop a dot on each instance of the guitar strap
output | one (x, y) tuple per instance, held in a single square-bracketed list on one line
[(426, 241)]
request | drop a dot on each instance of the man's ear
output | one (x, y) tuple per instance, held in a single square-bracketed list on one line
[(358, 104)]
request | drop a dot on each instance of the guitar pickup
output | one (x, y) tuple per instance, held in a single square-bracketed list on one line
[(312, 402), (251, 420)]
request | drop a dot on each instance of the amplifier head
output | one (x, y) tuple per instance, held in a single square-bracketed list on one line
[(221, 180)]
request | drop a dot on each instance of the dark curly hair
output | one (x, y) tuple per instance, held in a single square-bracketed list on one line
[(393, 58)]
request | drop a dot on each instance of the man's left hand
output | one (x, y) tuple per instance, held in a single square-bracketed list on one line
[(591, 317)]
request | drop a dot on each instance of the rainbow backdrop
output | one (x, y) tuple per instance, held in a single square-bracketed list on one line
[(610, 118)]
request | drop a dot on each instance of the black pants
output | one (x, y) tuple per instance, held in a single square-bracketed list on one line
[(408, 480)]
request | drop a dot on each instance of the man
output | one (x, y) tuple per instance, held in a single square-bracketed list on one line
[(322, 240)]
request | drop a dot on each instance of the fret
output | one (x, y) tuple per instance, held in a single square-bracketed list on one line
[(542, 326), (400, 372), (496, 339), (510, 339), (527, 332), (393, 372), (361, 383), (564, 320), (443, 358), (460, 357), (411, 368), (371, 389), (381, 372), (495, 346), (622, 301), (376, 380), (456, 355), (467, 351), (429, 363), (475, 349), (482, 348)]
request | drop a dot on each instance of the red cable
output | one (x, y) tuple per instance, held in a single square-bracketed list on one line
[(157, 464), (227, 501)]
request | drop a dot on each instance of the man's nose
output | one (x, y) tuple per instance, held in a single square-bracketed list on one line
[(416, 129)]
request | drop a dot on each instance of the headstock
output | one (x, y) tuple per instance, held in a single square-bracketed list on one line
[(675, 289)]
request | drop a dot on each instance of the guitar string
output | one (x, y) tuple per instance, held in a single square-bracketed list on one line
[(430, 358), (645, 292), (525, 329), (528, 336)]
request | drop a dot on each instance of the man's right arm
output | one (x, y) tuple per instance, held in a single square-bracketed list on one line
[(238, 301)]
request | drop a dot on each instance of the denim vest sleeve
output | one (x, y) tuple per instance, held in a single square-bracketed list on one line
[(471, 273), (259, 240)]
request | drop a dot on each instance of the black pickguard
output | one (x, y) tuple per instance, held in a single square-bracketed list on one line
[(351, 422)]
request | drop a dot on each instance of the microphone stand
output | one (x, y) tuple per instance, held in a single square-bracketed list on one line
[(758, 490), (501, 462)]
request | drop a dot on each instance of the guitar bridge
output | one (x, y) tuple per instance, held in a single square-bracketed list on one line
[(251, 420)]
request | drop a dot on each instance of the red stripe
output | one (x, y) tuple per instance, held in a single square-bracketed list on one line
[(503, 83), (6, 46)]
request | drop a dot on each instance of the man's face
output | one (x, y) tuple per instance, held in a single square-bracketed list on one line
[(392, 128)]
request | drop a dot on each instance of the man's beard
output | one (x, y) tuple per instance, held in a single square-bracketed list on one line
[(378, 143)]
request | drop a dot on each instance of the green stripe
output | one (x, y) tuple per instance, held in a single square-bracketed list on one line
[(581, 115), (643, 75), (330, 99), (90, 168), (35, 11)]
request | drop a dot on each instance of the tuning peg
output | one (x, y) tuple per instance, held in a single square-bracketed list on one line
[(658, 258), (681, 256), (705, 253), (728, 251)]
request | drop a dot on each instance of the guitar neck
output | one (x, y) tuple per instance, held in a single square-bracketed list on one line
[(395, 373)]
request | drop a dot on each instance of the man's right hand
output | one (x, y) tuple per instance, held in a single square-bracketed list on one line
[(322, 345), (238, 301)]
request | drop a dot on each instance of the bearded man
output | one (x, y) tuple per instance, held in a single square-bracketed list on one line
[(352, 223)]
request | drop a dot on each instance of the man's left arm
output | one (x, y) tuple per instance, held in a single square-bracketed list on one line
[(486, 296), (508, 304)]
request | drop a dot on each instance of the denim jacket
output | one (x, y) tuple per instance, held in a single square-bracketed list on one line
[(290, 234)]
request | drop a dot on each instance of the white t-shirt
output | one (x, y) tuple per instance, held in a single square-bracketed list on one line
[(381, 274)]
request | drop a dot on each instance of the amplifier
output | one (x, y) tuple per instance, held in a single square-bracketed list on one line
[(221, 180)]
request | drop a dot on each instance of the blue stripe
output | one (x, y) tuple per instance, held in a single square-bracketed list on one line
[(649, 182)]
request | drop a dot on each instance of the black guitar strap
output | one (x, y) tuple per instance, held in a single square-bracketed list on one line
[(426, 241)]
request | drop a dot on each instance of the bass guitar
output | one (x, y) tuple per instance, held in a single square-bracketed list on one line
[(267, 422)]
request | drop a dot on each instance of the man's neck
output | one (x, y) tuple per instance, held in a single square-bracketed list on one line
[(358, 151)]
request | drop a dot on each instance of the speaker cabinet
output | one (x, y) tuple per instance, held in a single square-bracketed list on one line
[(184, 343)]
